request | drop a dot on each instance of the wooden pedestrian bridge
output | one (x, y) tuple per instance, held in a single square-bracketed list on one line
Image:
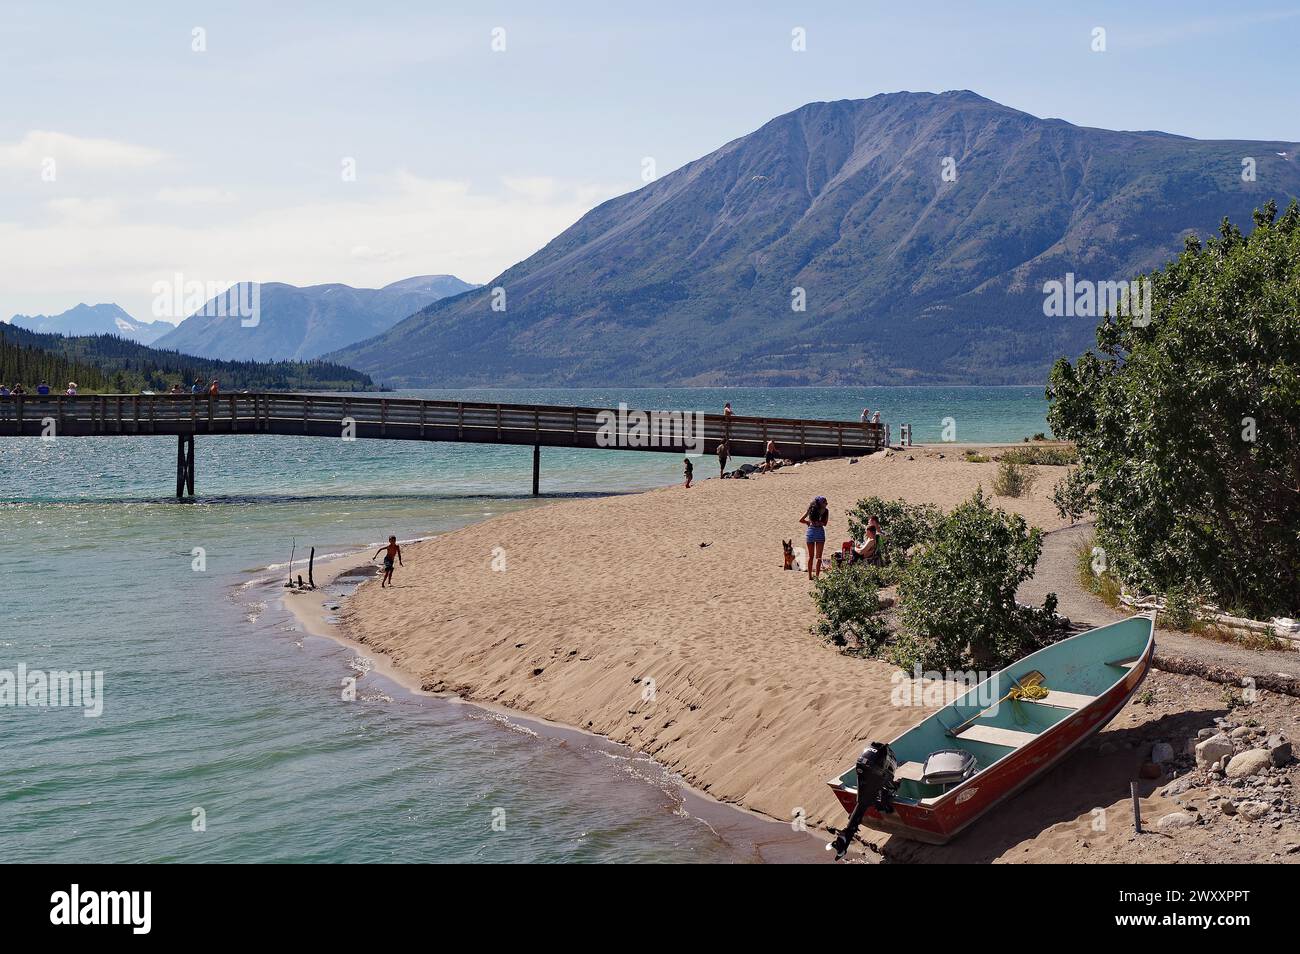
[(350, 417)]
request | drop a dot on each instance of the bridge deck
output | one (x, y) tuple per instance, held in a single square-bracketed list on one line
[(385, 418)]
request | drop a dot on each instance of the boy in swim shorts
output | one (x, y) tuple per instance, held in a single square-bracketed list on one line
[(391, 552)]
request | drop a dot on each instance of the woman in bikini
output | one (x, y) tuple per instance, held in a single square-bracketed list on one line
[(815, 519)]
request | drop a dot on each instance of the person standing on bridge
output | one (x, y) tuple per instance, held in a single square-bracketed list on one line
[(391, 552), (214, 388)]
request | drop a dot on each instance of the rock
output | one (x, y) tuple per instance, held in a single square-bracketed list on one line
[(1248, 763), (1162, 752), (1176, 820), (1240, 732), (1211, 750), (1204, 734), (1228, 808), (1279, 749), (1253, 811)]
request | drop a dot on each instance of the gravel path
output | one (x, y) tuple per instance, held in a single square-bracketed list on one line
[(1056, 572)]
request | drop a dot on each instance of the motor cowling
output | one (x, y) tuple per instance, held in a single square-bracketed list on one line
[(874, 770)]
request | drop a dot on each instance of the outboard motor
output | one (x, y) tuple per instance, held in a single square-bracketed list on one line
[(876, 786)]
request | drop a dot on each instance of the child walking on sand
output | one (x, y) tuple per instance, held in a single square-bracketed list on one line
[(688, 471), (394, 552)]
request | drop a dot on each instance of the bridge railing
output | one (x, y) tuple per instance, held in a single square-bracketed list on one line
[(413, 418)]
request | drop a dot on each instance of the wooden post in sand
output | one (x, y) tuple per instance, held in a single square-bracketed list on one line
[(1137, 807), (537, 468)]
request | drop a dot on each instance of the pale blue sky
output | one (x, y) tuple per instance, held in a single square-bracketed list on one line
[(225, 165)]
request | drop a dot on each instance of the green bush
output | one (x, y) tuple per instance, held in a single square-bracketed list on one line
[(1188, 424), (958, 593), (1182, 610), (1072, 495), (848, 601), (902, 525), (1053, 456), (1012, 480)]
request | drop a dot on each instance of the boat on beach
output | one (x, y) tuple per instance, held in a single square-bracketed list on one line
[(942, 774)]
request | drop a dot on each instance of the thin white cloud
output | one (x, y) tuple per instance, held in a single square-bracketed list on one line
[(194, 195), (39, 145), (365, 234)]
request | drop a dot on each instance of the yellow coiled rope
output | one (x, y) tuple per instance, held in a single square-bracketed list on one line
[(1032, 693)]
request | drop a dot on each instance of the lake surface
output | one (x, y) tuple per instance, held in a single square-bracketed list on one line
[(218, 709)]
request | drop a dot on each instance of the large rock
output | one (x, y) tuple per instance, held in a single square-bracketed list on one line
[(1217, 746), (1162, 752), (1176, 820), (1249, 763), (1279, 749)]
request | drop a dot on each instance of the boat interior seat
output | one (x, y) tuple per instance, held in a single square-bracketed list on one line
[(912, 771), (993, 735), (1062, 700)]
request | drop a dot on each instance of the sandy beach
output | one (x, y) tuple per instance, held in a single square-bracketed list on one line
[(664, 620)]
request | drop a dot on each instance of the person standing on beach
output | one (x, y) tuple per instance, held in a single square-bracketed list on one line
[(769, 458), (689, 471), (394, 552), (723, 453), (815, 519)]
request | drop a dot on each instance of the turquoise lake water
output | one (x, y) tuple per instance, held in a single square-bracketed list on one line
[(215, 701)]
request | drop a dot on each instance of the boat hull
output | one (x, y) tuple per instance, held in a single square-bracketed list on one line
[(938, 820)]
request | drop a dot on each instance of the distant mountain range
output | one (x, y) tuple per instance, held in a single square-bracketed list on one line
[(916, 230), (302, 323), (106, 319)]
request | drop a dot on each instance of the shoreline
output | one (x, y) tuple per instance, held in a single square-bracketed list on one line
[(662, 621), (768, 840)]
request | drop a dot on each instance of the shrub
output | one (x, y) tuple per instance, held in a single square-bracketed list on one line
[(1102, 583), (958, 593), (1188, 424), (902, 525), (1182, 610), (848, 601), (1013, 480), (1072, 495), (973, 457), (1051, 456)]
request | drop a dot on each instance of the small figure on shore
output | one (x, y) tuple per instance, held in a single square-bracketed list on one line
[(688, 471), (723, 453), (769, 458), (815, 519), (391, 552), (869, 552)]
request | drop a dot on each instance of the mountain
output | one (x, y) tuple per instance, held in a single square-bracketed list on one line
[(907, 277), (103, 319), (302, 323)]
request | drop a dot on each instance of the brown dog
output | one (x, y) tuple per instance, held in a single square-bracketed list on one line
[(787, 551)]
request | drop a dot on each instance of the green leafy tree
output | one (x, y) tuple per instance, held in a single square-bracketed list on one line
[(1188, 427), (848, 606), (958, 593), (903, 525)]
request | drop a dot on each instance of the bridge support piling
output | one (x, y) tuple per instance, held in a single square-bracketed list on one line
[(537, 468), (184, 466)]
